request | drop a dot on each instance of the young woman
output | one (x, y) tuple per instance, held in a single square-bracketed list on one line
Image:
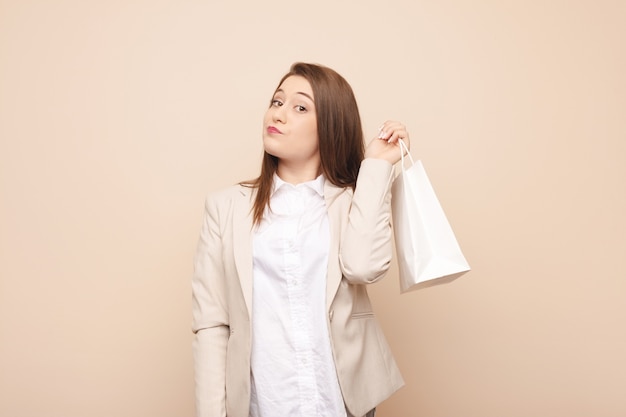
[(282, 320)]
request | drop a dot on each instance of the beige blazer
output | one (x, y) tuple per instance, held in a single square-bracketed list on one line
[(222, 284)]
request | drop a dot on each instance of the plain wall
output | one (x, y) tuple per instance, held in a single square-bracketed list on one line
[(118, 117)]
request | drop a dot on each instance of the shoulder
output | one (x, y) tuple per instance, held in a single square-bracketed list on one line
[(230, 192), (229, 196)]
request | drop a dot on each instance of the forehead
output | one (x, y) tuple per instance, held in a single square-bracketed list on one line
[(295, 84)]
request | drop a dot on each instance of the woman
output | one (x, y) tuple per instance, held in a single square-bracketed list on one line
[(282, 320)]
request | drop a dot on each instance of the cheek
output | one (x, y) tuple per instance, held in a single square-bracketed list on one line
[(312, 142), (311, 129), (315, 137)]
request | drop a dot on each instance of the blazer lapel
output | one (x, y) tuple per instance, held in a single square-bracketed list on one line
[(242, 243), (336, 200)]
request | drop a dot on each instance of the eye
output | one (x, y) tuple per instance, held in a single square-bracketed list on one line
[(276, 103), (300, 109)]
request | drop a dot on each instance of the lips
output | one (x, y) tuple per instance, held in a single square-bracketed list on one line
[(272, 129)]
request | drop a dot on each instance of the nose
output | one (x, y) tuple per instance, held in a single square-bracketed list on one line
[(279, 114)]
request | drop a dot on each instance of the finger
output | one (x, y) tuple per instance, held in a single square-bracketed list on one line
[(399, 133), (387, 129)]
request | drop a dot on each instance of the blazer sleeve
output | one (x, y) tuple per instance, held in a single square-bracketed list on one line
[(210, 322), (366, 249)]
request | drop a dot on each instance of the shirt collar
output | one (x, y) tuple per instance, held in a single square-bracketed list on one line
[(316, 185)]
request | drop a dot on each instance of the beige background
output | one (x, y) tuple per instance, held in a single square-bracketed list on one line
[(117, 117)]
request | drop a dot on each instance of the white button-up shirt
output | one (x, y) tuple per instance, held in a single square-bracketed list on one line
[(293, 372)]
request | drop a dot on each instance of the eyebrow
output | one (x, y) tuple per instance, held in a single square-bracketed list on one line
[(280, 90)]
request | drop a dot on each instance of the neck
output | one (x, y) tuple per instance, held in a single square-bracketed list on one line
[(296, 174)]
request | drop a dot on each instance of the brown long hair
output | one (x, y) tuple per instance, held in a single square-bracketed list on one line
[(339, 130)]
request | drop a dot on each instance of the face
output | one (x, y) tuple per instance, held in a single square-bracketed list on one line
[(290, 124)]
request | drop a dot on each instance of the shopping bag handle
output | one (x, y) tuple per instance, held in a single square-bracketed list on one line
[(404, 149)]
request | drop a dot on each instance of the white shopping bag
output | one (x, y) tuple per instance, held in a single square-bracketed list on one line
[(426, 247)]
